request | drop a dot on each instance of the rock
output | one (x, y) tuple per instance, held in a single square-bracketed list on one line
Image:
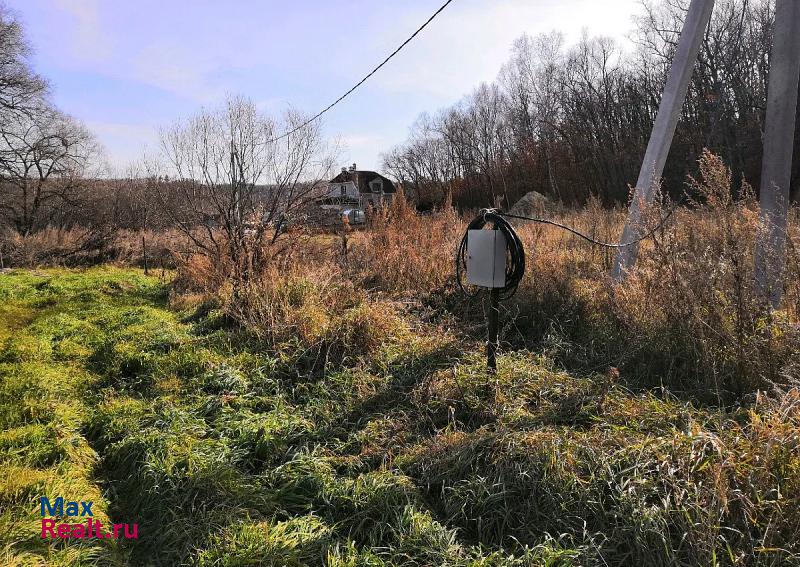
[(533, 204)]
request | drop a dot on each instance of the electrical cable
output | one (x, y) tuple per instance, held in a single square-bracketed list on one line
[(515, 252), (364, 80), (589, 238)]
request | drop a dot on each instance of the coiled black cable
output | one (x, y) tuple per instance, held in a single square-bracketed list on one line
[(515, 252)]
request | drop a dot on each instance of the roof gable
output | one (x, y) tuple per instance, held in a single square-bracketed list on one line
[(362, 179)]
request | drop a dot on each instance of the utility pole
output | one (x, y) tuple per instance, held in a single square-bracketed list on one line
[(669, 112), (776, 168)]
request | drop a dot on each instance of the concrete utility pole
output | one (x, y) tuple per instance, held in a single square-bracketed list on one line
[(664, 128), (776, 168)]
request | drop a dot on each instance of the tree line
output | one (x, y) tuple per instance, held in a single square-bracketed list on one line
[(220, 177), (570, 122), (573, 122)]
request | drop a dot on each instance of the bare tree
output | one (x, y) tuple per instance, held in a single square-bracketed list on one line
[(236, 183), (43, 161), (136, 201), (533, 83), (427, 165), (21, 90)]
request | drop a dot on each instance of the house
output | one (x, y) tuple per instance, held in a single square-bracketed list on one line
[(354, 188)]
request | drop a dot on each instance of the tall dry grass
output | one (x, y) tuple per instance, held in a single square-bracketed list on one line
[(405, 253), (89, 246), (687, 318)]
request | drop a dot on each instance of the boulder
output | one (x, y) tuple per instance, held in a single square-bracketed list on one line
[(533, 204)]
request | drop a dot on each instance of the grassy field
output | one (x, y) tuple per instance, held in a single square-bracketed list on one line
[(399, 452)]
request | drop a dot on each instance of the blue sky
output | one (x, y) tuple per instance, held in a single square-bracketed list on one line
[(125, 68)]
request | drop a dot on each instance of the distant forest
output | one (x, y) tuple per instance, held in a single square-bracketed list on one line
[(573, 122)]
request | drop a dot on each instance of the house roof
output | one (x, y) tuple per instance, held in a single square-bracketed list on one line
[(362, 179)]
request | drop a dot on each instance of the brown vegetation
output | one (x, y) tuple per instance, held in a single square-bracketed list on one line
[(572, 121), (686, 320)]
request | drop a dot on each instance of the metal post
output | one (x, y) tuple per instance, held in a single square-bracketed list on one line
[(776, 168), (669, 112), (494, 327), (144, 254)]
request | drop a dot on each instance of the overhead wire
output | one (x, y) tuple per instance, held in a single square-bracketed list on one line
[(364, 80)]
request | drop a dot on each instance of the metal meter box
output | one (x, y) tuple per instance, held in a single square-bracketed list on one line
[(486, 258)]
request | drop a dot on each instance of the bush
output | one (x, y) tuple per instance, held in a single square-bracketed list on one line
[(316, 321)]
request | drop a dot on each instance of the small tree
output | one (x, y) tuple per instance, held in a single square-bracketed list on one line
[(43, 160), (237, 183)]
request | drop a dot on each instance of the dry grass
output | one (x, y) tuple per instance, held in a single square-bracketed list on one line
[(687, 319), (233, 446), (404, 253), (80, 246)]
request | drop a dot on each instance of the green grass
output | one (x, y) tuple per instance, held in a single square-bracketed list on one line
[(226, 452)]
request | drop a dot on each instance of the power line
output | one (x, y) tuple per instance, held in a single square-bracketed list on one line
[(515, 252), (586, 237), (364, 80)]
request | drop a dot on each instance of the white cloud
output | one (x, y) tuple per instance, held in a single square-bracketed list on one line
[(176, 69), (360, 140), (469, 42), (89, 41), (363, 147), (272, 105)]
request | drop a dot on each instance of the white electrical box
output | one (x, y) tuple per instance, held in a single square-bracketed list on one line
[(486, 258)]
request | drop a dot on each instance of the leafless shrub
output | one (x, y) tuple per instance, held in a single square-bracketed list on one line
[(237, 182)]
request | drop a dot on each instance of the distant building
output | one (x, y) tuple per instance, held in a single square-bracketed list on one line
[(354, 188)]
